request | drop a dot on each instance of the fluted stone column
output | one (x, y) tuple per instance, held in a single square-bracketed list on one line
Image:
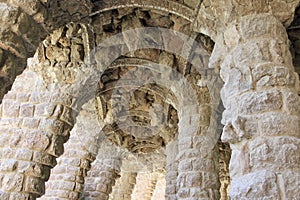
[(262, 108), (104, 172), (124, 186)]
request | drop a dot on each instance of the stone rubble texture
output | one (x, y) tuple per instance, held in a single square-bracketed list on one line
[(77, 124)]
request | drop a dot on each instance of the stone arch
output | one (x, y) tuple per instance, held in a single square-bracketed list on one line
[(57, 110), (24, 25), (44, 118), (12, 106), (43, 17)]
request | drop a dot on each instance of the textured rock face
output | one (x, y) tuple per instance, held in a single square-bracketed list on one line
[(259, 108), (144, 107)]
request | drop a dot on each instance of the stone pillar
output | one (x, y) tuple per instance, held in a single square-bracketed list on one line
[(160, 189), (124, 186), (262, 109), (33, 127), (224, 158), (102, 177), (36, 116), (197, 155), (67, 177), (171, 169), (145, 185)]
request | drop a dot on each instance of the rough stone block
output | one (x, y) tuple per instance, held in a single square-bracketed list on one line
[(68, 115), (210, 180), (7, 153), (8, 165), (44, 158), (102, 188), (67, 185), (52, 126), (258, 102), (24, 154), (183, 193), (266, 76), (19, 196), (261, 25), (31, 123), (278, 123), (78, 187), (44, 110), (202, 164), (36, 140), (10, 109), (10, 95), (255, 186), (56, 147), (282, 150), (34, 185), (21, 97), (291, 102), (26, 110), (199, 193), (290, 181), (185, 165), (74, 195), (13, 182), (90, 187), (170, 189), (194, 179)]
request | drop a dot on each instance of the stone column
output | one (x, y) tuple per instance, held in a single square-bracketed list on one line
[(103, 174), (160, 188), (262, 109), (33, 128), (171, 169), (124, 186), (67, 177), (224, 158), (197, 155), (145, 185), (37, 115)]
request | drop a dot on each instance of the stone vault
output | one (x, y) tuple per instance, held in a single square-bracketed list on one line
[(170, 99)]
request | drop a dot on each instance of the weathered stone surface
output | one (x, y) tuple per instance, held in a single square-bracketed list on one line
[(263, 133), (260, 184), (283, 150), (260, 95), (259, 102)]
